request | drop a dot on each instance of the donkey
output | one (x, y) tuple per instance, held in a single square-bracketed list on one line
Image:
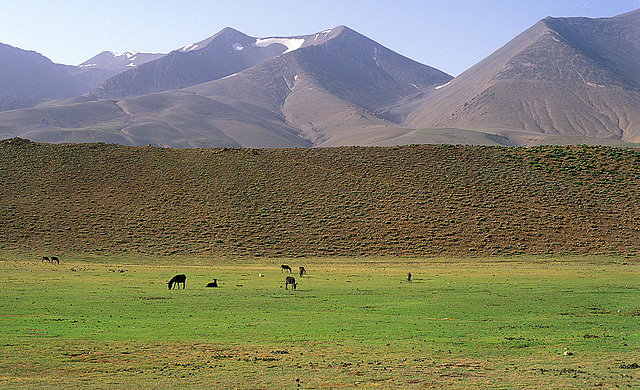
[(284, 267), (290, 280), (176, 280), (213, 284), (302, 271)]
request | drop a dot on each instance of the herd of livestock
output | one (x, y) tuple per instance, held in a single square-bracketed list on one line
[(182, 278), (289, 280)]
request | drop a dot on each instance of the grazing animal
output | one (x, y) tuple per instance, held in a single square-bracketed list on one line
[(261, 275), (302, 271), (176, 280), (408, 276), (290, 280), (45, 258), (284, 267), (213, 284), (54, 259)]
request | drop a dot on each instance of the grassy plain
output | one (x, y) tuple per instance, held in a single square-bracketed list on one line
[(110, 322)]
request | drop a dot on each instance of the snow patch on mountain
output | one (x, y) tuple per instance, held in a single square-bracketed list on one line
[(237, 46), (291, 43), (442, 86), (190, 47), (128, 54)]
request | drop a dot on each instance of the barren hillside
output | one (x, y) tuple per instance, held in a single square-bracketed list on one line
[(351, 201)]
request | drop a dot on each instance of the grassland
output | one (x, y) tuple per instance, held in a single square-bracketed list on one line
[(421, 200), (110, 322)]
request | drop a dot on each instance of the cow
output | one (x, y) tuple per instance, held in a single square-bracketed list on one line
[(290, 280), (176, 280), (284, 267), (45, 258), (302, 271), (408, 276), (54, 259)]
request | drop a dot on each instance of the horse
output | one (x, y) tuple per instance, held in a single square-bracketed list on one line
[(55, 259), (408, 276), (302, 271), (290, 280), (284, 267), (213, 284), (176, 280)]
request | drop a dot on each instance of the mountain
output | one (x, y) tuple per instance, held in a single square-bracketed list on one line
[(108, 64), (321, 89), (227, 52), (568, 80), (27, 78), (562, 81)]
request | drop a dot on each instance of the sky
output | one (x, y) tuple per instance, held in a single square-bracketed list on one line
[(450, 35)]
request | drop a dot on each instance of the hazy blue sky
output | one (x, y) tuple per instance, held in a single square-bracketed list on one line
[(450, 35)]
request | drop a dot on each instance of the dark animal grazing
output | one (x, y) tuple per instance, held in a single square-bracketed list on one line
[(290, 280), (55, 260), (45, 258), (213, 284), (284, 267), (302, 271), (176, 280), (408, 276)]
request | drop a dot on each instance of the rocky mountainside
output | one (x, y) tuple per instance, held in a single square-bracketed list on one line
[(108, 64), (227, 52), (27, 77), (563, 78)]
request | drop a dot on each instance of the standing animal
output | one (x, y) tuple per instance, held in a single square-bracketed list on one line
[(45, 258), (176, 280), (284, 267), (290, 280), (302, 271), (54, 259), (408, 276), (213, 284)]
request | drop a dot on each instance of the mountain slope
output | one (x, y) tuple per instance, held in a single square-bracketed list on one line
[(27, 77), (227, 52), (562, 77), (329, 90), (108, 64)]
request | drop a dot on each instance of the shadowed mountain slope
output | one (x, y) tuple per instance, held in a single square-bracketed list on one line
[(562, 77), (27, 77), (349, 201)]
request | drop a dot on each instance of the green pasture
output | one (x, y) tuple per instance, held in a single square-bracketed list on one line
[(111, 322)]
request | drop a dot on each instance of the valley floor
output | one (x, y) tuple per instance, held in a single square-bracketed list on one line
[(524, 322)]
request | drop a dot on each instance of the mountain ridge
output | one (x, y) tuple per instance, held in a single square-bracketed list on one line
[(563, 80)]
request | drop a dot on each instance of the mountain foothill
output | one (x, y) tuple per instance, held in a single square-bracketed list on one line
[(562, 81)]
